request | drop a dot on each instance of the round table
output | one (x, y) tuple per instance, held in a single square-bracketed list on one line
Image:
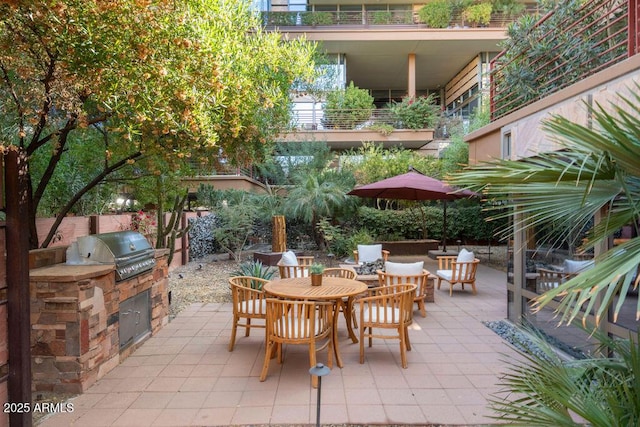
[(332, 289)]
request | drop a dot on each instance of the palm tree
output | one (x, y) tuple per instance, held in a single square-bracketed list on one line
[(316, 195), (596, 171), (549, 388)]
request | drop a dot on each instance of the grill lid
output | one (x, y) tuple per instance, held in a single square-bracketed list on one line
[(129, 250)]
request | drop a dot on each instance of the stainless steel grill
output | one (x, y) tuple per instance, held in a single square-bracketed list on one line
[(128, 250)]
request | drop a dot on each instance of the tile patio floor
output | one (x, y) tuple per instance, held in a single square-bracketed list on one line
[(184, 376)]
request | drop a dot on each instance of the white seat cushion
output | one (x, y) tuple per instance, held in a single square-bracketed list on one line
[(404, 268), (374, 315), (261, 307), (571, 266), (369, 253), (465, 256), (289, 258), (300, 328), (445, 274)]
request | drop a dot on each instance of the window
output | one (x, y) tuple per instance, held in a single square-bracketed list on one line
[(297, 5), (506, 145)]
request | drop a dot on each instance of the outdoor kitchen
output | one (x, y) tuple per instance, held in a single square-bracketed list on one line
[(92, 305)]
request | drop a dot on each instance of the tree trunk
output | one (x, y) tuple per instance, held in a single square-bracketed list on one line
[(279, 231)]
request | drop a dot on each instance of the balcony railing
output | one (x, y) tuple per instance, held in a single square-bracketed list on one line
[(366, 18), (562, 48), (341, 119), (381, 120)]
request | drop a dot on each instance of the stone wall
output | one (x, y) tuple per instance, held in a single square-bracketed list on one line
[(75, 321)]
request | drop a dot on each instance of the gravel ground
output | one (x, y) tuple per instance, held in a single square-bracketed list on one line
[(203, 280), (206, 280)]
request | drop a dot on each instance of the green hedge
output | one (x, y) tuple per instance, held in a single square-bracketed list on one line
[(466, 223)]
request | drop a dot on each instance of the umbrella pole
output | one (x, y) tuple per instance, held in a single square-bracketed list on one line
[(444, 226)]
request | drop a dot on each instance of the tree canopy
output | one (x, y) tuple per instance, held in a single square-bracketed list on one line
[(173, 79)]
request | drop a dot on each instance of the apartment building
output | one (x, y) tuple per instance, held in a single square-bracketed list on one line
[(387, 49)]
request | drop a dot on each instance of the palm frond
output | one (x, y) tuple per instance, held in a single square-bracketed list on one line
[(610, 278), (616, 132), (542, 388), (564, 190)]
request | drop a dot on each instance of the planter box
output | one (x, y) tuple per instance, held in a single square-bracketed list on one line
[(410, 247), (271, 258)]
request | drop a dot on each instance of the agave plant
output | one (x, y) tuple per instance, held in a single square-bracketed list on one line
[(254, 268)]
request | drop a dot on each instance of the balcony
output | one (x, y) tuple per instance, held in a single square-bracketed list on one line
[(344, 128), (561, 49), (400, 17)]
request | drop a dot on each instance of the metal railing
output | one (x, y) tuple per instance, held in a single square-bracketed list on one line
[(381, 120), (366, 18), (221, 166), (341, 119), (560, 49)]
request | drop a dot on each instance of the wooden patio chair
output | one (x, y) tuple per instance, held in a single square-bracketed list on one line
[(345, 273), (420, 280), (387, 307), (248, 304), (296, 266), (456, 271), (298, 322), (370, 253)]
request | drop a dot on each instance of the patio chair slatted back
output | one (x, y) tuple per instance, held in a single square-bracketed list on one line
[(298, 322), (387, 307), (248, 304), (421, 282)]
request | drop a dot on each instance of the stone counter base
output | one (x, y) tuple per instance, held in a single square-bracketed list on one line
[(75, 321)]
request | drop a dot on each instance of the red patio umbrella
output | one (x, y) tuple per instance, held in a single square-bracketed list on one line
[(414, 186)]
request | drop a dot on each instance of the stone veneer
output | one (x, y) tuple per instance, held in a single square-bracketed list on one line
[(75, 320)]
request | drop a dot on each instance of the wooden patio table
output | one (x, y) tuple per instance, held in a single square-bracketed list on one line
[(332, 289)]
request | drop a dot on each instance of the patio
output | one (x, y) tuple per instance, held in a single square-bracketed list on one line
[(184, 376)]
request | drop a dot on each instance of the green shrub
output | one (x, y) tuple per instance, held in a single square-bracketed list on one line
[(254, 269), (465, 221), (347, 108), (415, 113), (382, 17), (478, 14), (360, 237), (342, 241), (282, 18), (382, 129), (436, 14), (235, 227), (317, 18), (406, 223)]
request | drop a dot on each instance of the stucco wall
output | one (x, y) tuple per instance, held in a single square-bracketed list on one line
[(527, 135)]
